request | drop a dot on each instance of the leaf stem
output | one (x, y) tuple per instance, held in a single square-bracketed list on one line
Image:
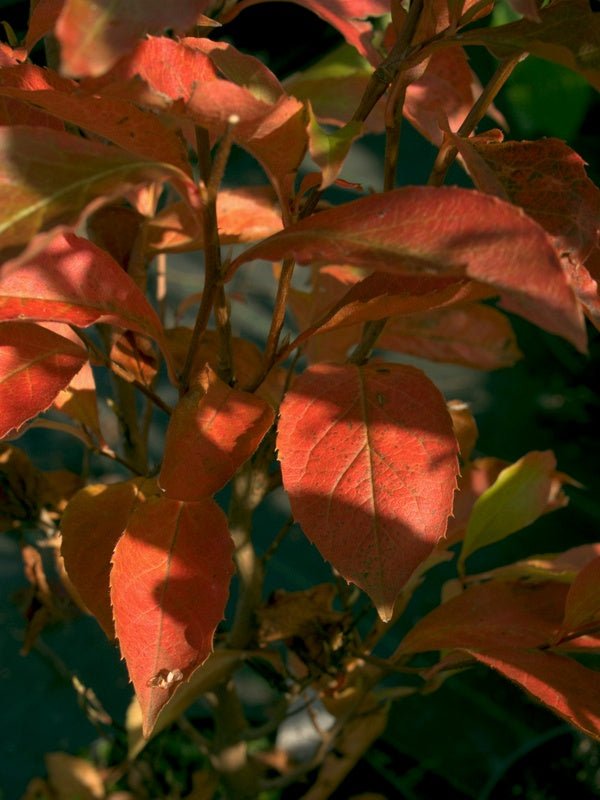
[(447, 152), (213, 293)]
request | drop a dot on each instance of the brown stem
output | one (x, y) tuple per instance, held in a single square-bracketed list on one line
[(371, 332), (447, 153), (390, 66), (213, 293)]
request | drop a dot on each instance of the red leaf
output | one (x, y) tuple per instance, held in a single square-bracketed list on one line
[(112, 118), (157, 69), (474, 335), (368, 459), (566, 687), (444, 93), (513, 614), (74, 281), (213, 430), (583, 600), (547, 179), (35, 364), (568, 34), (42, 19), (50, 178), (448, 231), (91, 526), (169, 586), (347, 16), (528, 8), (93, 36)]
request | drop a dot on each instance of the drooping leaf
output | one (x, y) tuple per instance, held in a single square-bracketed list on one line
[(35, 364), (515, 615), (217, 667), (73, 281), (213, 430), (91, 526), (169, 585), (518, 497), (347, 16), (94, 35), (112, 118), (369, 462), (474, 335), (563, 685), (562, 567), (244, 215), (568, 33), (583, 600), (446, 231), (51, 178)]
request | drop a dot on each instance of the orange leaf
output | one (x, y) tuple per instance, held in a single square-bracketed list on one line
[(368, 459), (94, 35), (213, 430), (92, 523), (169, 585), (73, 281), (35, 365)]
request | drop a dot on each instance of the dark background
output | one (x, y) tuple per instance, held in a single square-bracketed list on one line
[(478, 736)]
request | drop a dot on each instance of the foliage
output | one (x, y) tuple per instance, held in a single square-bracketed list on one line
[(113, 158)]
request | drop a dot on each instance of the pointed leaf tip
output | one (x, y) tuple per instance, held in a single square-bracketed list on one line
[(369, 461)]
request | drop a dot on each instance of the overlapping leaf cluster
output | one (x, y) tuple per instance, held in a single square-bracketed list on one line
[(98, 180)]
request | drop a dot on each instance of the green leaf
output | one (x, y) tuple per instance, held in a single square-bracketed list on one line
[(516, 499)]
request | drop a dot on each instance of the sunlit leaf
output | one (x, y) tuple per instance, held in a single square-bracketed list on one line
[(73, 281), (112, 118), (51, 178), (518, 497), (213, 430), (78, 400), (169, 584), (35, 365), (94, 35), (369, 462)]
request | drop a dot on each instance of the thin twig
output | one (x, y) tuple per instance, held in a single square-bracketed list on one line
[(447, 153)]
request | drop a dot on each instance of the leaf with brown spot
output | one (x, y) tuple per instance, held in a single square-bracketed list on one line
[(169, 585)]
